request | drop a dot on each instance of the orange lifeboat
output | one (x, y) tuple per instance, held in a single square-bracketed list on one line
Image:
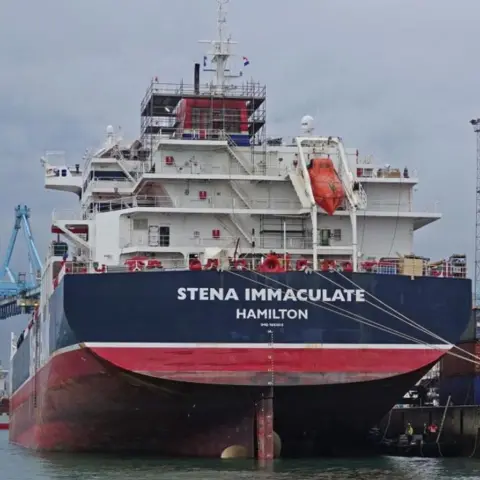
[(326, 186)]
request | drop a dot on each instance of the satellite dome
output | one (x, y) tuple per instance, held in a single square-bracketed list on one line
[(307, 124), (110, 130)]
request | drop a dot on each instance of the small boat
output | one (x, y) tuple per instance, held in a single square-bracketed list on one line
[(418, 447)]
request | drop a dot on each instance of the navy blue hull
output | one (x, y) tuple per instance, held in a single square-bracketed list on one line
[(114, 337), (144, 307)]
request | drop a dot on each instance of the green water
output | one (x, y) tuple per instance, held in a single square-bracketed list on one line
[(19, 464)]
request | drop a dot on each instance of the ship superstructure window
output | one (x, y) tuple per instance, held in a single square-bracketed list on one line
[(325, 237), (164, 236), (337, 234), (140, 223)]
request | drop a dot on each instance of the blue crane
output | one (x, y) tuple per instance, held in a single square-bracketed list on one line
[(20, 293)]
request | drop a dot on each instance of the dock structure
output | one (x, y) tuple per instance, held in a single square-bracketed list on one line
[(460, 424)]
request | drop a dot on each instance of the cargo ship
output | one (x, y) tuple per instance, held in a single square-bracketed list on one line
[(220, 292)]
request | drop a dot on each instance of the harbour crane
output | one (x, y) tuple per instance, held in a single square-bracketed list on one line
[(20, 293)]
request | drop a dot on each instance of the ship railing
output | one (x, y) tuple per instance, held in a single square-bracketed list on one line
[(202, 168), (364, 170), (105, 182), (56, 171), (453, 267), (401, 206), (66, 215), (449, 268), (55, 157), (246, 90), (188, 202), (147, 201), (145, 241)]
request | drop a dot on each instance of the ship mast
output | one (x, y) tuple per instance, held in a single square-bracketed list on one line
[(220, 52)]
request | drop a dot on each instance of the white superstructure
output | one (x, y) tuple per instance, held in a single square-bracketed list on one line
[(209, 181)]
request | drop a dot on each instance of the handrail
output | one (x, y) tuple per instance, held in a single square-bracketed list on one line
[(142, 241), (377, 172), (247, 89), (54, 171), (171, 264), (147, 201)]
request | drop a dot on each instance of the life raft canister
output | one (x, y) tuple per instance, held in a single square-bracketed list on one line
[(99, 268), (271, 264), (329, 265), (194, 264), (135, 265), (301, 264), (240, 264), (212, 264), (154, 264), (348, 267)]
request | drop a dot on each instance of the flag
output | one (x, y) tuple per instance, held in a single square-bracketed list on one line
[(205, 61), (245, 61)]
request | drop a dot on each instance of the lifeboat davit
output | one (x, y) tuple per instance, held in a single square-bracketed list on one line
[(326, 186)]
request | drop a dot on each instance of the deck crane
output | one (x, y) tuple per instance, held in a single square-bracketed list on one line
[(20, 293)]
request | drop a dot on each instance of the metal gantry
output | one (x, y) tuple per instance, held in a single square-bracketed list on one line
[(19, 293)]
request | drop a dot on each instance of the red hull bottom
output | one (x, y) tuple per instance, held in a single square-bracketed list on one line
[(87, 400), (3, 426)]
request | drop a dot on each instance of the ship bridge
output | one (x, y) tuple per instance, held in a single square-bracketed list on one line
[(233, 118)]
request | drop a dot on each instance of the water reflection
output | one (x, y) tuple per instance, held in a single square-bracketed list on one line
[(20, 464)]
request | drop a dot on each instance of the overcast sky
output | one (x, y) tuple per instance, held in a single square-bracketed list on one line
[(398, 79)]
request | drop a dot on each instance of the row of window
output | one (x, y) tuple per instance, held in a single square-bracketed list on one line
[(160, 235)]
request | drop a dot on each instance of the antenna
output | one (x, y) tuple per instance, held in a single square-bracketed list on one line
[(476, 282), (221, 19), (220, 51)]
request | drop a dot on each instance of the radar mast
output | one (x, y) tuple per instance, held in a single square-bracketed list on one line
[(220, 52)]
